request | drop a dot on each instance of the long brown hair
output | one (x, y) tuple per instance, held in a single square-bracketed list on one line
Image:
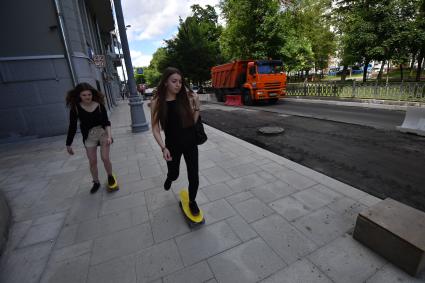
[(182, 100), (73, 96)]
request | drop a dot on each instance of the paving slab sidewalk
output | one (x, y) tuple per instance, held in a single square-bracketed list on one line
[(268, 219)]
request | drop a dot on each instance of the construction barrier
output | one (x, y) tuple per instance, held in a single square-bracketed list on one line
[(233, 100), (414, 121)]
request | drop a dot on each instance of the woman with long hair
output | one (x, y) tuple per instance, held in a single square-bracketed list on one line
[(175, 110), (86, 104)]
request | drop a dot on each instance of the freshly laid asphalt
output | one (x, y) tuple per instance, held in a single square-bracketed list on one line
[(268, 219)]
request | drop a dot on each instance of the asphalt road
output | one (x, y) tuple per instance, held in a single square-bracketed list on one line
[(376, 118), (380, 161)]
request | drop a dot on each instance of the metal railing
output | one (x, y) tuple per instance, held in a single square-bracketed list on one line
[(402, 91)]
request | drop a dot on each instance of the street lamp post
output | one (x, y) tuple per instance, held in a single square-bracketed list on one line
[(138, 118)]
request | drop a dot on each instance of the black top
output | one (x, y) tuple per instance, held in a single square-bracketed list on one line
[(88, 120), (175, 134)]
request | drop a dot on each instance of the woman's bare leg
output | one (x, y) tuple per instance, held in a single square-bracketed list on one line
[(104, 153), (92, 156)]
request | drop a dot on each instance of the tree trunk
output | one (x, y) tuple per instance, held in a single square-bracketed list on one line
[(412, 64), (381, 71), (419, 69), (344, 73), (366, 63), (401, 72)]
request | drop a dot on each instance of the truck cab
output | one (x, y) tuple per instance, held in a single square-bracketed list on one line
[(265, 81), (255, 80)]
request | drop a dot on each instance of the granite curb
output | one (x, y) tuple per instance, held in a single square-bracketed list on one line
[(4, 221)]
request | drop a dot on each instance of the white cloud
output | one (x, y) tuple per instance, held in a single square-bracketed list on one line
[(152, 19), (159, 43), (139, 59)]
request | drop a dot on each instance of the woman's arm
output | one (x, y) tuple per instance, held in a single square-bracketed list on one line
[(109, 134), (156, 131), (72, 129), (106, 123), (105, 119), (196, 105)]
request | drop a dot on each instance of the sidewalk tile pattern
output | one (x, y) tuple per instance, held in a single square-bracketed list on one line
[(268, 219)]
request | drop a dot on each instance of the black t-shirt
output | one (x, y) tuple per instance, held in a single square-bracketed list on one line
[(175, 134), (88, 120)]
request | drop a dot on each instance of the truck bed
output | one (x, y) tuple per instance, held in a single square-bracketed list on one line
[(228, 75)]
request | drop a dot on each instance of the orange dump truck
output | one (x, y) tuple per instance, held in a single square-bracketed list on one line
[(260, 80)]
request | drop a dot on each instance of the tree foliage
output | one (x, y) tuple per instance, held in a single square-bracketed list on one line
[(308, 39), (253, 29), (378, 30), (195, 48), (305, 34), (152, 73)]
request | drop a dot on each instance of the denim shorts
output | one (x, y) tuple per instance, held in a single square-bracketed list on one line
[(97, 136)]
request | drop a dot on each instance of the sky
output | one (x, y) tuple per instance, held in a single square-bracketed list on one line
[(152, 21)]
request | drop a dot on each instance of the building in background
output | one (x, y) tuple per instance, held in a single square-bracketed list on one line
[(48, 46)]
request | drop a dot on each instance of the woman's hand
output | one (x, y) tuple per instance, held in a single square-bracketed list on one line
[(194, 97), (109, 140), (166, 154), (69, 149)]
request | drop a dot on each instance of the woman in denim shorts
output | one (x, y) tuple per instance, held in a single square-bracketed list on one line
[(87, 105)]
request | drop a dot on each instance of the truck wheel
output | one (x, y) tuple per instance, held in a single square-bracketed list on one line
[(218, 95), (247, 99), (222, 96), (273, 100)]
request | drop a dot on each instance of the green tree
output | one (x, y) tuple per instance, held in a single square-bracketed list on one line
[(195, 49), (308, 39), (158, 63), (253, 29), (377, 29), (418, 37)]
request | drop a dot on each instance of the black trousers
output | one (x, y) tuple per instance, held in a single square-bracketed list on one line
[(190, 155)]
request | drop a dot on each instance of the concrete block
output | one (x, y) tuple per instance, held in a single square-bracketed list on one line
[(396, 232), (414, 121)]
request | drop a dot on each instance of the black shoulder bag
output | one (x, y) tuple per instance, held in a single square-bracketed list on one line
[(201, 136)]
